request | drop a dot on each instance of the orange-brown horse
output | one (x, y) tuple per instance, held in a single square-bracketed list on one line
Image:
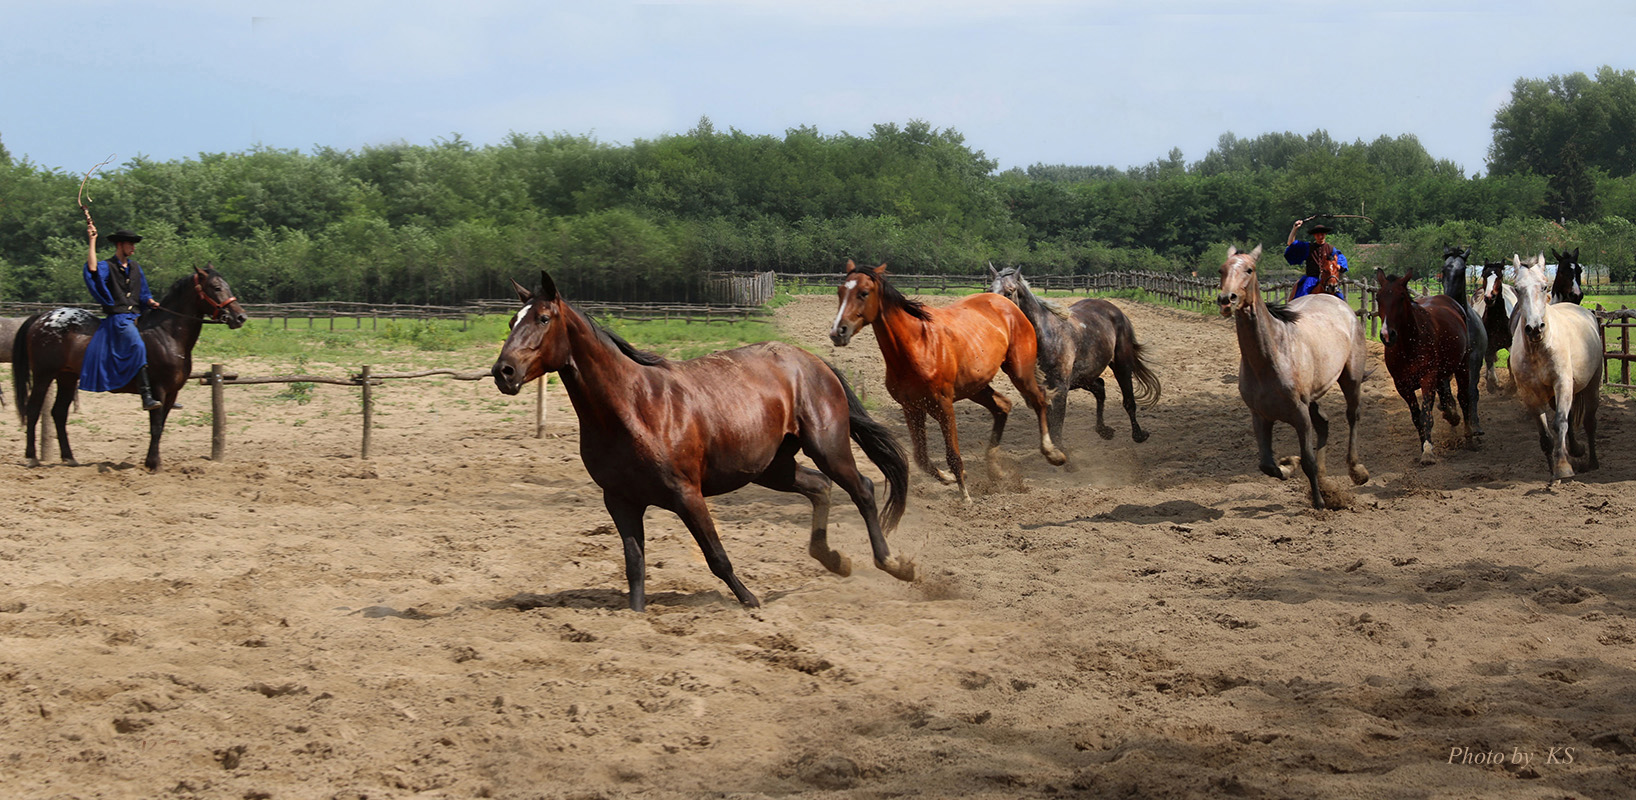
[(935, 356)]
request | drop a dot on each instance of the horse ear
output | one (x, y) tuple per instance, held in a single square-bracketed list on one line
[(880, 270), (850, 266), (1576, 255), (522, 294), (993, 274), (548, 287), (1466, 254), (1255, 255)]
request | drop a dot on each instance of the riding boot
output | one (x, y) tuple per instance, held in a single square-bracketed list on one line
[(148, 402)]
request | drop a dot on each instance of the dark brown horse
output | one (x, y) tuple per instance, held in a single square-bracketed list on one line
[(935, 356), (1075, 346), (1427, 344), (1569, 284), (50, 347), (655, 432)]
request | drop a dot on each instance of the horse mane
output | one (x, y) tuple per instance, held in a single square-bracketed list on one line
[(646, 358), (890, 296), (1282, 312), (1044, 302)]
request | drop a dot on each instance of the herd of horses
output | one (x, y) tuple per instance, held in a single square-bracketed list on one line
[(669, 434)]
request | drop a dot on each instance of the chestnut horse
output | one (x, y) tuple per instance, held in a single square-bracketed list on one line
[(1289, 356), (1427, 344), (1075, 345), (655, 432), (1493, 305), (935, 356), (1569, 284), (1556, 365), (51, 346)]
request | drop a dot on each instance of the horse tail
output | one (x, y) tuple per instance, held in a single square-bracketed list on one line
[(21, 373), (1130, 351), (882, 448)]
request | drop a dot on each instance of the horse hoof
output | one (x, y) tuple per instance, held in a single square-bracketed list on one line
[(33, 462), (1056, 457), (902, 569), (943, 477), (1426, 457), (1359, 473), (1105, 432), (1138, 436)]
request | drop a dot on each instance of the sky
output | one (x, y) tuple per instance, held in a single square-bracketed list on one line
[(1025, 81)]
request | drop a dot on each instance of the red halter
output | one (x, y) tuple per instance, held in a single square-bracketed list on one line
[(216, 308)]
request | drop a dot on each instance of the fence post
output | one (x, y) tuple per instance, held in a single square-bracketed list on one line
[(539, 407), (218, 414), (1624, 347), (369, 415)]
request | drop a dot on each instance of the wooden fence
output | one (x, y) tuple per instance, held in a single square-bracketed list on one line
[(1620, 321)]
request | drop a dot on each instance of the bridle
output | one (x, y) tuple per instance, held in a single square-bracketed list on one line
[(216, 308)]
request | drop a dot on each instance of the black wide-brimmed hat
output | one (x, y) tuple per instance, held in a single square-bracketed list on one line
[(123, 235), (1320, 228)]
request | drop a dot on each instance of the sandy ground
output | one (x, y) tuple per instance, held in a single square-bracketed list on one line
[(447, 619)]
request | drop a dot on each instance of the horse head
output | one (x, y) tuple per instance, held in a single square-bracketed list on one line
[(538, 342), (1393, 304), (1531, 297), (211, 289), (1454, 271), (858, 301), (1493, 280), (1239, 287), (1569, 283), (1009, 283)]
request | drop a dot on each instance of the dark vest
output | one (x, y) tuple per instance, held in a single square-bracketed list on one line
[(1317, 254), (120, 282)]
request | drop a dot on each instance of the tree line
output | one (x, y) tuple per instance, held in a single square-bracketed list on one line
[(452, 221)]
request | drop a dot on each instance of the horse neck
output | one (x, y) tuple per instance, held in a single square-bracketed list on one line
[(601, 381), (1416, 322), (179, 320), (1262, 339), (901, 335)]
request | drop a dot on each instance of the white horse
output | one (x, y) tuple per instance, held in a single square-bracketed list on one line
[(1556, 364), (1289, 356)]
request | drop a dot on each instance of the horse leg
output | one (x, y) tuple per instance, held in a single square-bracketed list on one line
[(951, 444), (695, 513), (1561, 407), (1421, 414), (999, 407), (627, 518), (1263, 441), (1447, 404), (1587, 401), (31, 414), (67, 388), (1470, 381), (914, 417), (834, 459), (1311, 464), (156, 429), (1099, 390), (1058, 414), (1127, 390), (1034, 396), (1320, 428), (785, 475), (1352, 391)]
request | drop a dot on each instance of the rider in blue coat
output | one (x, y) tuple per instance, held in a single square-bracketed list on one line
[(1311, 254), (116, 353)]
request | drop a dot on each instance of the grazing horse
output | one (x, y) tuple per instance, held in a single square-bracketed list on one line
[(51, 346), (1494, 304), (655, 432), (935, 356), (1076, 345), (1556, 364), (1568, 287), (1427, 344), (1289, 356)]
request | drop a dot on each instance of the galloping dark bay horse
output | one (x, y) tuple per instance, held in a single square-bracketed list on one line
[(1428, 343), (50, 347), (936, 356), (655, 432), (1076, 345), (1569, 284)]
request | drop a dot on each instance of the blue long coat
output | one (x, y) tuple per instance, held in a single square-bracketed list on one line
[(116, 351)]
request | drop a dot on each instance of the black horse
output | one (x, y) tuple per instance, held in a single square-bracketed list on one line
[(1454, 285), (1076, 345), (1568, 287), (1494, 302), (51, 346)]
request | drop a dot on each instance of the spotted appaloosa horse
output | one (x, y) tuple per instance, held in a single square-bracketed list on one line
[(656, 432), (1289, 356), (935, 356)]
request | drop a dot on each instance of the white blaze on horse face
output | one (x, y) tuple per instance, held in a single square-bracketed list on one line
[(850, 285)]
